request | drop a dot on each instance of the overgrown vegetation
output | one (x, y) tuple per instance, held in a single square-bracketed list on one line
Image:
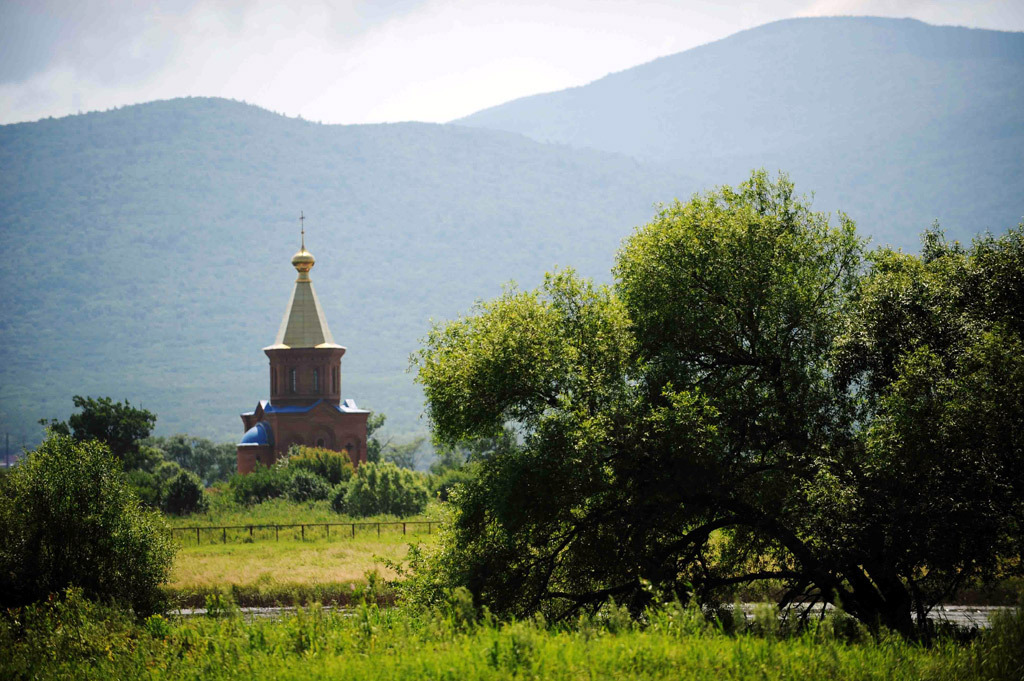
[(333, 467), (382, 488), (751, 401), (70, 637)]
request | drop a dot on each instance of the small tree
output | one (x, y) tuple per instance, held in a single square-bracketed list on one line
[(184, 494), (69, 518), (382, 488), (117, 424), (307, 486), (264, 482)]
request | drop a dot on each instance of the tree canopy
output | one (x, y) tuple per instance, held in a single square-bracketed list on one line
[(117, 424), (752, 401)]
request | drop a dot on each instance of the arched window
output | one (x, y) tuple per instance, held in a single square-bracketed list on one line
[(292, 380), (316, 380)]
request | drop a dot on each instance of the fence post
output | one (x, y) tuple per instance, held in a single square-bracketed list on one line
[(224, 535), (353, 530), (403, 529), (277, 535), (303, 533), (250, 532), (327, 529), (428, 527), (197, 536), (378, 529)]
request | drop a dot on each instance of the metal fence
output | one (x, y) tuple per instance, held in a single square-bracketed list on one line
[(250, 533)]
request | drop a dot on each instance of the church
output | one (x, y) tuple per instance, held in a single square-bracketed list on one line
[(305, 406)]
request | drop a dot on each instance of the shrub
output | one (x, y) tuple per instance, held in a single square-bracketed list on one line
[(307, 486), (68, 517), (147, 487), (334, 467), (184, 494), (382, 488), (443, 483), (265, 482), (338, 498)]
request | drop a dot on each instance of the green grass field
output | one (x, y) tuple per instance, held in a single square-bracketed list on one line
[(82, 641), (287, 566)]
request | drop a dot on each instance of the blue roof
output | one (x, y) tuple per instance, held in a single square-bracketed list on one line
[(269, 408), (260, 434), (347, 407)]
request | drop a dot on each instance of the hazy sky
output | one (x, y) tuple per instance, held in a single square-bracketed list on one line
[(385, 60)]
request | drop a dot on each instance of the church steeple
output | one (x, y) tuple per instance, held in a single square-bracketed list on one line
[(305, 406), (304, 324)]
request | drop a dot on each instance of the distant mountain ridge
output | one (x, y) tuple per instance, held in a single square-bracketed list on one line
[(895, 121), (146, 249)]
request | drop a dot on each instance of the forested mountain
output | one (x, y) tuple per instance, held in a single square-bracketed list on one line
[(894, 121), (146, 250)]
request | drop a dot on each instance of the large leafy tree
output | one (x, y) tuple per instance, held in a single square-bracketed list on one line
[(724, 416), (117, 424)]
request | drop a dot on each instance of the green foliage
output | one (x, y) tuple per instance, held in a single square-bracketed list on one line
[(334, 467), (936, 344), (118, 425), (184, 494), (147, 487), (442, 484), (306, 485), (73, 638), (263, 483), (382, 488), (449, 457), (225, 510), (211, 461), (749, 404), (403, 454), (69, 518)]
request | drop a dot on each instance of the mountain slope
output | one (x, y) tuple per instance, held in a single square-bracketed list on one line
[(894, 121), (147, 249)]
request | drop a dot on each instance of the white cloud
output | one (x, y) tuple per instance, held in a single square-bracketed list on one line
[(351, 62)]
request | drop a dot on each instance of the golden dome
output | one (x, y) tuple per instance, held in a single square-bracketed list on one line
[(303, 261)]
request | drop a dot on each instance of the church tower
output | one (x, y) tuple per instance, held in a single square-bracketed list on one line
[(305, 405)]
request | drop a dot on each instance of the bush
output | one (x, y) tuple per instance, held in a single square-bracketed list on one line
[(147, 487), (382, 488), (443, 483), (184, 494), (334, 467), (68, 517), (265, 482), (307, 486)]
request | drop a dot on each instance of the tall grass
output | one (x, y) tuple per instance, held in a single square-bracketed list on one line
[(224, 511), (75, 639)]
